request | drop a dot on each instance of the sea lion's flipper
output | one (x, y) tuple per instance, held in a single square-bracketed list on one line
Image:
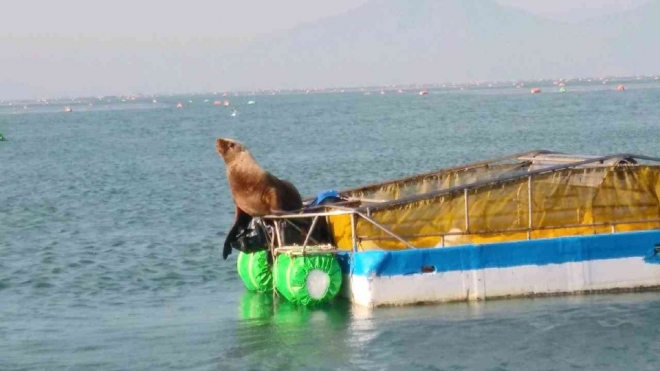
[(241, 221)]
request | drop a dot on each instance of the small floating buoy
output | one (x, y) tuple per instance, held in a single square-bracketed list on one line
[(536, 91), (620, 87)]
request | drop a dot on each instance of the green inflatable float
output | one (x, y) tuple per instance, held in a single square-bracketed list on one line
[(307, 280), (254, 270)]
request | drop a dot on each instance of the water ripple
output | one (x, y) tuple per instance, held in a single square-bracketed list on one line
[(112, 222)]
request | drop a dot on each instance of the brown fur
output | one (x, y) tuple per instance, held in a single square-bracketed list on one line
[(256, 192)]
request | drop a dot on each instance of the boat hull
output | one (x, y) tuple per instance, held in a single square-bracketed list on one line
[(566, 265)]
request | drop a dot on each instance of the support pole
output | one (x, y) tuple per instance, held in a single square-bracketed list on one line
[(529, 208), (387, 231), (354, 239), (467, 211), (309, 233)]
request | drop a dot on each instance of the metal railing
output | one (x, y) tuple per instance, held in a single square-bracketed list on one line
[(356, 239), (612, 226)]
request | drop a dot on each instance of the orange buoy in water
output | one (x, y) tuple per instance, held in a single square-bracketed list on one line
[(536, 91), (620, 87)]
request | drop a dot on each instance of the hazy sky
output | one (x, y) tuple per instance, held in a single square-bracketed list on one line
[(76, 47), (561, 6)]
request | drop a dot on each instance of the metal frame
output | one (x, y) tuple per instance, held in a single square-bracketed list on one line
[(280, 246), (513, 230), (364, 211)]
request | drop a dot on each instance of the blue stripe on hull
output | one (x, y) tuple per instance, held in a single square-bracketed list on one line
[(505, 254)]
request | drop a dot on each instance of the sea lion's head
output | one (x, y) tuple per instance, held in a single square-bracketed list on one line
[(229, 149)]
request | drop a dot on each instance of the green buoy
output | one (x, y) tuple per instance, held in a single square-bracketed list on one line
[(308, 279), (254, 270)]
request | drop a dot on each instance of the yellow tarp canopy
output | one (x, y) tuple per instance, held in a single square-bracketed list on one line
[(572, 201)]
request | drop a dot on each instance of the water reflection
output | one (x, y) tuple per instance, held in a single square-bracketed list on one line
[(455, 335), (274, 333), (256, 306), (266, 308)]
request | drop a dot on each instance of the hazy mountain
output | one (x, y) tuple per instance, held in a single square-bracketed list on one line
[(574, 11), (399, 41), (631, 39)]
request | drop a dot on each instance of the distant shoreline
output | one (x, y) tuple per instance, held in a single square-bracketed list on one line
[(367, 88)]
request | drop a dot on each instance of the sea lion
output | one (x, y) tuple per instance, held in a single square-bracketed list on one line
[(255, 191)]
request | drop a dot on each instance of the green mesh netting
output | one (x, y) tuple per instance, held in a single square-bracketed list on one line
[(307, 280), (254, 271)]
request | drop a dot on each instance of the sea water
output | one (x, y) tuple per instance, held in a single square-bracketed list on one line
[(112, 219)]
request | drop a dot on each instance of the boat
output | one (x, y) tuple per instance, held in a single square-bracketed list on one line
[(1, 137), (535, 91), (68, 109), (528, 224)]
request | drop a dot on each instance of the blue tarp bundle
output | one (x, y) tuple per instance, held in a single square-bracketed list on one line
[(324, 196)]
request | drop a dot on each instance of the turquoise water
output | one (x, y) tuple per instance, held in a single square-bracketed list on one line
[(112, 219)]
